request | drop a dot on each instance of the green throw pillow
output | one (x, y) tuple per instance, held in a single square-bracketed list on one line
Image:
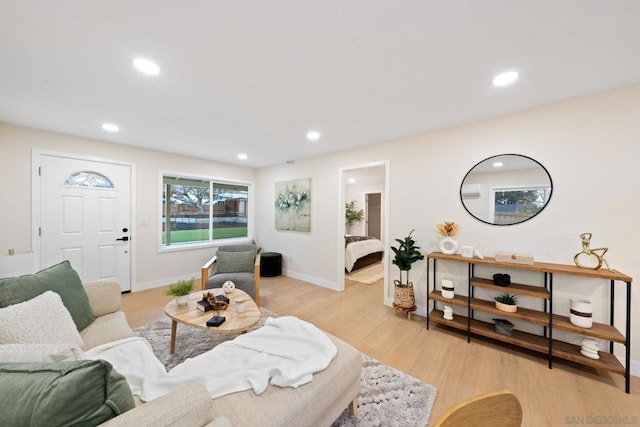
[(235, 262), (61, 279), (82, 393)]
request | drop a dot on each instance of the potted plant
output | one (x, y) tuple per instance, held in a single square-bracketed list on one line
[(507, 302), (351, 215), (405, 255), (181, 290)]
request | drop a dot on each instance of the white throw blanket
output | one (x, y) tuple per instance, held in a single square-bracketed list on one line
[(286, 351)]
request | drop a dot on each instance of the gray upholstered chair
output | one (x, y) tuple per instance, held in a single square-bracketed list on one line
[(238, 263)]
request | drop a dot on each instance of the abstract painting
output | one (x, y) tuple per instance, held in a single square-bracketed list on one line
[(293, 205)]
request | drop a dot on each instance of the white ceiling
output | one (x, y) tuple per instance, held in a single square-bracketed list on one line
[(254, 76)]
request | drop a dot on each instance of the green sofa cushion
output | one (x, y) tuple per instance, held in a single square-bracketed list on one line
[(61, 279), (235, 262), (82, 393)]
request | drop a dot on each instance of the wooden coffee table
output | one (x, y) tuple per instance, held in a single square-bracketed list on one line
[(235, 322)]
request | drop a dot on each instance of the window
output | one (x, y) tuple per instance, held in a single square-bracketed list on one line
[(512, 206), (200, 211), (88, 179)]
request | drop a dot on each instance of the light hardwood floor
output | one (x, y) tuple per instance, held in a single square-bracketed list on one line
[(568, 394)]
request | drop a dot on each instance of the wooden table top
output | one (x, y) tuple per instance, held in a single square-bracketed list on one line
[(235, 322)]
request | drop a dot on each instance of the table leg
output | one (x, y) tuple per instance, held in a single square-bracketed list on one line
[(174, 325)]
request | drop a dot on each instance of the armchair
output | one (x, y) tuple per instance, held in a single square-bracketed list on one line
[(238, 263)]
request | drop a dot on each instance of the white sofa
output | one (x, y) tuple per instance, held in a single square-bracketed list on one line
[(318, 403)]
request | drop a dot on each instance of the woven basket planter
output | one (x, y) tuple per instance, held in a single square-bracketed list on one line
[(403, 295)]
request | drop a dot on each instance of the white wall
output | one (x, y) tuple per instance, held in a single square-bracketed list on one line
[(588, 145), (152, 268)]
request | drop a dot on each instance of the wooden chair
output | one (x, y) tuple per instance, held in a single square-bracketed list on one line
[(248, 281), (494, 409)]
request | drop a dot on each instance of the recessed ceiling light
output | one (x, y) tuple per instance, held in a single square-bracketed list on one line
[(110, 127), (505, 79), (146, 66), (352, 180), (313, 135), (497, 164), (242, 156)]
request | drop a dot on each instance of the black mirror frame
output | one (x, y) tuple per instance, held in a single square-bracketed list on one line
[(501, 155)]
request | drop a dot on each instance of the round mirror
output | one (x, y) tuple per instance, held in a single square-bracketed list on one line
[(506, 189)]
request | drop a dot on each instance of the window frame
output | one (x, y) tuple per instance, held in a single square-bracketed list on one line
[(210, 243)]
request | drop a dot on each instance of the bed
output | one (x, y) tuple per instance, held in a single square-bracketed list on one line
[(361, 251)]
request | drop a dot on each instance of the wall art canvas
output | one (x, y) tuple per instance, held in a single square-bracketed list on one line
[(293, 205)]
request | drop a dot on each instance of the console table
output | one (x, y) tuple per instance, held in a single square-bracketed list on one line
[(546, 318)]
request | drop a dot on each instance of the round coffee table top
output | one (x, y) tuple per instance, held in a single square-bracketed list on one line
[(235, 322)]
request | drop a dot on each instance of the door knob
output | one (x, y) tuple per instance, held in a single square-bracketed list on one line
[(124, 239)]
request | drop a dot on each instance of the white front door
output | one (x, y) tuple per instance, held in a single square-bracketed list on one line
[(85, 217)]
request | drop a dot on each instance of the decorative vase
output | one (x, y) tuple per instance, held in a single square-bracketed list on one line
[(182, 300), (506, 307), (403, 296), (589, 348), (447, 289), (447, 313), (448, 245), (581, 313)]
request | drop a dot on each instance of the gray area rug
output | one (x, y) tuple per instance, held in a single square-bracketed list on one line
[(388, 398)]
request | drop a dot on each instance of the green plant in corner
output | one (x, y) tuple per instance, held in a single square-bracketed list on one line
[(351, 215), (507, 299), (180, 288), (406, 254)]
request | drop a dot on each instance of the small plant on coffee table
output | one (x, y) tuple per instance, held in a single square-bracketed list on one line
[(180, 288)]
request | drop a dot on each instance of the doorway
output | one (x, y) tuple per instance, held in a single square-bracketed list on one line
[(367, 185), (373, 214), (83, 213)]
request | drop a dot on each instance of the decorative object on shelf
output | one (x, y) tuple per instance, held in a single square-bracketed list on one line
[(181, 291), (503, 327), (507, 303), (588, 254), (447, 288), (590, 348), (449, 230), (228, 287), (502, 279), (447, 312), (351, 215), (581, 313), (513, 258), (406, 254), (293, 205), (466, 251)]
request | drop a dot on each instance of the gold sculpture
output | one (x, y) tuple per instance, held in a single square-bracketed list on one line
[(598, 253)]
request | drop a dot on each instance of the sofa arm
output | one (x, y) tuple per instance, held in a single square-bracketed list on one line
[(187, 406), (104, 297)]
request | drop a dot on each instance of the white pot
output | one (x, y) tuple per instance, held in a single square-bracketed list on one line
[(447, 290), (182, 300), (448, 246), (581, 313)]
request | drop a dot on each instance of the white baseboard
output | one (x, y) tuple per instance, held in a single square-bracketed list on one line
[(634, 366), (311, 279), (163, 282)]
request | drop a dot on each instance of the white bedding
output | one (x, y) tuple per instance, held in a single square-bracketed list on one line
[(355, 250), (285, 352)]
